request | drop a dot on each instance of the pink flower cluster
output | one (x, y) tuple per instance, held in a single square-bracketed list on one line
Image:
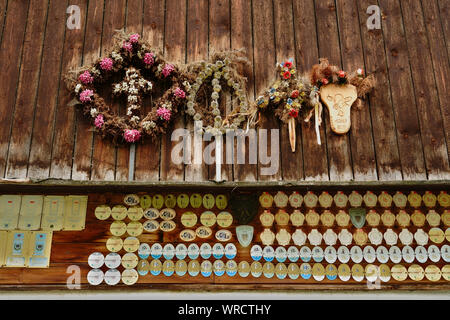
[(86, 77), (134, 38), (106, 64), (86, 95), (164, 113), (168, 68), (149, 58), (132, 135), (99, 121), (180, 93), (127, 46)]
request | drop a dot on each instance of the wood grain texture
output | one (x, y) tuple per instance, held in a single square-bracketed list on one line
[(315, 159), (10, 54), (22, 123)]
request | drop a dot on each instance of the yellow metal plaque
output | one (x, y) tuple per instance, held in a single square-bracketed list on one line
[(75, 212), (30, 212), (53, 213), (9, 211)]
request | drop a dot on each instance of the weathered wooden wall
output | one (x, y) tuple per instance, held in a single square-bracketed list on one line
[(401, 133)]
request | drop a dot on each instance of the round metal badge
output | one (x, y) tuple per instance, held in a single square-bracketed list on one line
[(118, 228), (360, 237), (382, 254), (143, 267), (119, 212), (151, 225), (408, 254), (96, 260), (256, 269), (131, 200), (135, 213), (447, 234), (193, 268), (230, 251), (388, 218), (156, 251), (421, 254), (112, 277), (331, 272), (356, 254), (280, 254), (188, 235), (114, 244), (295, 199), (436, 235), (95, 277), (135, 228), (155, 267), (205, 250), (256, 252), (102, 212), (344, 272), (129, 260), (281, 199), (268, 253), (299, 237), (221, 202), (181, 251), (182, 201), (224, 219), (266, 200), (231, 268), (305, 254), (317, 254), (167, 214), (170, 201), (168, 251), (268, 270), (318, 272), (355, 199), (151, 213), (416, 272), (433, 273), (305, 271), (293, 254), (395, 254), (167, 226), (181, 268), (310, 199), (223, 235), (403, 219), (189, 219), (343, 254), (434, 254), (203, 232), (358, 272), (218, 251), (168, 268), (208, 218), (131, 244), (293, 271), (144, 251), (446, 272), (193, 251), (244, 269), (330, 254), (281, 271), (112, 260)]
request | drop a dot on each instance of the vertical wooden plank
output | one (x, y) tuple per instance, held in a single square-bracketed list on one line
[(242, 37), (148, 152), (444, 13), (174, 49), (47, 100), (104, 154), (264, 60), (63, 140), (82, 162), (339, 152), (407, 123), (383, 119), (426, 94), (219, 39), (10, 58), (134, 16), (291, 162), (22, 125), (315, 160), (440, 61), (197, 49), (362, 147), (3, 6)]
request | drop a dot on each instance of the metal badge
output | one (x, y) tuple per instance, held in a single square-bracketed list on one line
[(131, 244), (418, 218), (167, 226), (370, 199), (382, 254), (436, 235), (446, 272), (9, 211), (193, 268), (283, 237), (268, 270), (221, 202), (158, 201), (312, 218), (399, 272), (170, 201), (317, 254), (414, 199), (371, 272), (408, 254), (280, 254), (181, 268), (230, 251), (224, 219), (343, 254), (189, 219), (434, 254), (403, 219), (151, 213), (205, 250), (385, 199), (218, 251), (129, 260), (406, 237), (224, 235), (445, 253), (340, 199), (305, 254), (293, 254), (144, 251), (196, 200), (433, 273), (208, 201), (219, 268), (182, 201), (369, 254), (297, 218), (447, 234), (267, 237), (421, 254), (358, 272), (131, 200), (345, 237), (114, 244), (318, 272), (399, 199), (266, 218), (167, 214), (203, 232), (156, 251), (281, 199), (231, 268), (390, 237), (356, 254), (113, 260), (342, 218), (281, 271), (416, 272), (330, 237), (388, 218), (208, 218), (151, 225), (168, 251), (95, 277), (331, 272), (143, 267), (433, 218), (181, 251), (112, 277), (266, 200), (373, 218), (96, 260), (305, 271), (299, 237), (327, 218), (268, 253), (429, 199), (421, 237), (118, 228), (282, 218), (256, 252), (168, 268), (244, 235), (384, 272), (355, 199), (155, 267), (375, 236), (135, 213), (325, 200), (193, 251), (330, 254), (443, 199), (293, 271), (146, 201), (360, 237), (102, 212), (244, 269), (295, 199), (315, 237), (310, 199), (135, 228), (395, 254), (256, 269), (187, 235), (344, 272)]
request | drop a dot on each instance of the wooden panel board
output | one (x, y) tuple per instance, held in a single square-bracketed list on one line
[(339, 150), (426, 95), (362, 147), (10, 56), (3, 7), (407, 123), (315, 160), (291, 162), (64, 133), (22, 123), (241, 38), (47, 98), (84, 136), (444, 12), (174, 51), (384, 130)]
